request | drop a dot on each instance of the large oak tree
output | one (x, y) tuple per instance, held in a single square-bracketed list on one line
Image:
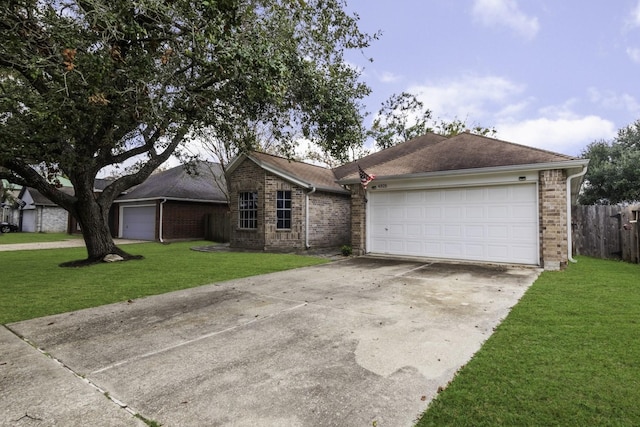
[(89, 84)]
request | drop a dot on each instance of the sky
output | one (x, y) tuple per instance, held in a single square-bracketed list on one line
[(550, 74)]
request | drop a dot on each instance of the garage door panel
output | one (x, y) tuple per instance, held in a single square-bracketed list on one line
[(432, 230), (432, 213), (523, 212), (453, 250), (452, 231), (497, 232), (474, 231), (498, 251), (453, 212), (475, 212), (474, 251), (496, 223), (455, 196), (498, 212)]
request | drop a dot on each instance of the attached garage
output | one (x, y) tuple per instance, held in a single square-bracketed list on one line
[(496, 223), (138, 222), (464, 197)]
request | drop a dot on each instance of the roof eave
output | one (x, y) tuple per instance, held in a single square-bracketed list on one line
[(568, 164), (173, 199)]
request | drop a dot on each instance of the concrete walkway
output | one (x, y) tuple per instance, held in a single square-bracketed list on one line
[(360, 342), (71, 243)]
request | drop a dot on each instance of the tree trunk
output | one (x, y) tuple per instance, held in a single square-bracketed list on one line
[(94, 223)]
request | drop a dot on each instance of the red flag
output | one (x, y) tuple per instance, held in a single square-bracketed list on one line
[(364, 177)]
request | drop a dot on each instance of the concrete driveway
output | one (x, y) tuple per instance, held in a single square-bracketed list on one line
[(359, 342)]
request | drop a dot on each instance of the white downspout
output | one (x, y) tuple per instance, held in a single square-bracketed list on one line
[(569, 236), (306, 220), (161, 216)]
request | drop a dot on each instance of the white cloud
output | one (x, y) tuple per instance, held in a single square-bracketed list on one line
[(634, 54), (505, 13), (613, 101), (560, 135), (498, 102), (389, 77), (469, 97), (635, 15)]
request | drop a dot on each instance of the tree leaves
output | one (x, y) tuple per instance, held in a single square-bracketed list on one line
[(89, 84), (614, 169)]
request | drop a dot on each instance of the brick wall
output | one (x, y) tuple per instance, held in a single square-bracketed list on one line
[(283, 239), (330, 217), (186, 220), (553, 219), (51, 219), (329, 213), (358, 219), (247, 177)]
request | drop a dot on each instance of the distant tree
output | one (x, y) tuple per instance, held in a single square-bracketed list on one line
[(457, 126), (614, 169), (89, 84), (404, 117), (401, 118)]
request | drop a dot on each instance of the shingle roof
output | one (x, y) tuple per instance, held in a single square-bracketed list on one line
[(436, 153), (314, 176), (40, 200), (178, 183)]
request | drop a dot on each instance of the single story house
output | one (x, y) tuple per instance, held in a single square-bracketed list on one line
[(38, 214), (279, 205), (465, 197), (171, 204)]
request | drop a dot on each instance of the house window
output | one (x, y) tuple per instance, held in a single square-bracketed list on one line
[(283, 210), (248, 210)]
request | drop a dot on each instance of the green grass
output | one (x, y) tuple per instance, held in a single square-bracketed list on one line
[(8, 238), (33, 285), (567, 355)]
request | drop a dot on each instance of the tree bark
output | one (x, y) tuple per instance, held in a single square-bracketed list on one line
[(94, 223)]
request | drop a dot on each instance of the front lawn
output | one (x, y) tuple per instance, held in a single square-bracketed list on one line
[(568, 354), (33, 285)]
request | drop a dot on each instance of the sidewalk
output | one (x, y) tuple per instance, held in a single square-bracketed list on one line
[(72, 243)]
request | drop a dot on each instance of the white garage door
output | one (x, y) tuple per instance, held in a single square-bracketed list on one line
[(496, 223), (139, 222)]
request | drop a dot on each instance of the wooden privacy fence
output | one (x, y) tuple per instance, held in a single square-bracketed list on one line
[(217, 227), (610, 232)]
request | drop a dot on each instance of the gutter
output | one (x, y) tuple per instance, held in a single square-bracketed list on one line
[(569, 236), (306, 221), (475, 171), (161, 216)]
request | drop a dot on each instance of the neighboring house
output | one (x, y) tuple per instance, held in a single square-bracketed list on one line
[(38, 214), (465, 197), (9, 202), (172, 204), (281, 205)]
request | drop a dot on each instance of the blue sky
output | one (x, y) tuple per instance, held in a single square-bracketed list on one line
[(551, 74)]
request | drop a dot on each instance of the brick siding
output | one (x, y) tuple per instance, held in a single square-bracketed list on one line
[(328, 212), (330, 217), (247, 177), (553, 219), (186, 220), (358, 220), (51, 219)]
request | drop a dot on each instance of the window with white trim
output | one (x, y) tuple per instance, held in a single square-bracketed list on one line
[(283, 209), (248, 210)]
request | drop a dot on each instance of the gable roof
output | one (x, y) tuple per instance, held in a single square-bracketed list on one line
[(39, 199), (302, 174), (431, 154), (179, 184)]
